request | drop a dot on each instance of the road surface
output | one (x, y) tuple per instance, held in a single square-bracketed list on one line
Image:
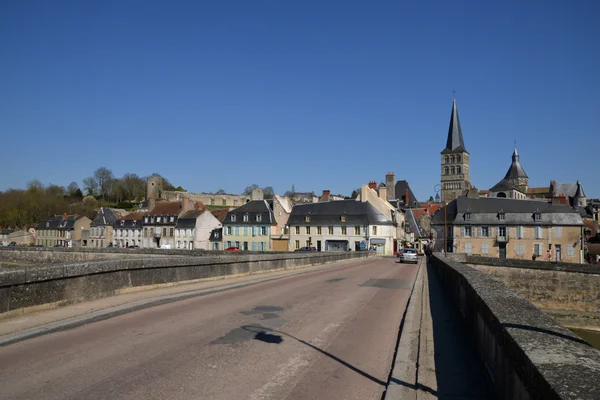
[(329, 334)]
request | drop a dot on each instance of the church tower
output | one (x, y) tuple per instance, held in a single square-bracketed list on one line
[(455, 161)]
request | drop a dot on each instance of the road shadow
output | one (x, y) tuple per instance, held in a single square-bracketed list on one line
[(261, 330), (547, 332), (460, 372)]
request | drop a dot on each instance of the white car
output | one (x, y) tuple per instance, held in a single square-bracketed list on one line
[(408, 255)]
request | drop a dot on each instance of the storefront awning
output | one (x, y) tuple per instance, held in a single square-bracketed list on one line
[(377, 241)]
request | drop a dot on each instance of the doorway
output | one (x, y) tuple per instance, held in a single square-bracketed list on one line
[(318, 245), (502, 247), (557, 250)]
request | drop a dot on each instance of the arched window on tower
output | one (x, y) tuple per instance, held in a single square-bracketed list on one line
[(458, 170), (452, 170), (446, 170), (446, 160), (458, 159), (452, 159)]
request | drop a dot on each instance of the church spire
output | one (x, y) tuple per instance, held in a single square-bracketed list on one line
[(455, 140)]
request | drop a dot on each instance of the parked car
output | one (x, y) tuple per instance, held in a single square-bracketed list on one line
[(232, 249), (12, 244), (309, 249), (408, 255)]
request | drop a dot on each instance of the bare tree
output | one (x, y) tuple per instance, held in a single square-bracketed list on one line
[(72, 188), (104, 177), (269, 192), (90, 185), (249, 189), (220, 191)]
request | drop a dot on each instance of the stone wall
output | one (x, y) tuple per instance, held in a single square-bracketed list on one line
[(568, 292), (527, 354), (24, 288)]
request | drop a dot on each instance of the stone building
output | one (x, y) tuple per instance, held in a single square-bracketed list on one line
[(194, 228), (249, 227), (101, 228), (370, 221), (127, 230), (21, 237), (515, 183), (282, 208), (510, 228), (62, 230), (213, 199), (455, 170)]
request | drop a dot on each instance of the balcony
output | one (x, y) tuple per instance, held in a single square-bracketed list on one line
[(502, 239)]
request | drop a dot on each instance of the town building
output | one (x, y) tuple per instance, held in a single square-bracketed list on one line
[(62, 230), (510, 228), (194, 228), (282, 208), (515, 183), (101, 228), (21, 237), (249, 227), (455, 165), (128, 230), (369, 222), (160, 222), (216, 239), (209, 199)]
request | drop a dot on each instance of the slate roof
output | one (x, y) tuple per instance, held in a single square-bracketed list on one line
[(330, 213), (568, 189), (485, 210), (188, 220), (400, 190), (516, 170), (579, 192), (455, 142), (59, 222), (107, 216), (415, 225), (220, 213), (504, 185), (252, 209), (216, 235), (166, 208)]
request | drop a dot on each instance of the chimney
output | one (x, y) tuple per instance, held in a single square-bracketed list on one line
[(473, 193), (187, 204), (373, 185), (326, 196), (383, 193), (406, 198), (390, 184)]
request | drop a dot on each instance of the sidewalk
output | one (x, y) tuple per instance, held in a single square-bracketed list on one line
[(25, 326), (434, 358)]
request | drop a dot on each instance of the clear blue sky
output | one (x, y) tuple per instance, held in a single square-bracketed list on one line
[(320, 94)]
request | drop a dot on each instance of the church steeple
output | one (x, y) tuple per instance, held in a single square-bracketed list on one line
[(455, 142), (516, 172)]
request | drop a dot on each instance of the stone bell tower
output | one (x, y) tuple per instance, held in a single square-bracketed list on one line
[(455, 173)]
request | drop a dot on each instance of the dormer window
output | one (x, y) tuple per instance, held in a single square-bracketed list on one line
[(172, 219), (307, 218), (246, 218), (134, 223), (468, 216), (122, 223), (258, 217), (146, 220), (158, 219), (233, 217), (501, 215), (537, 216), (343, 218)]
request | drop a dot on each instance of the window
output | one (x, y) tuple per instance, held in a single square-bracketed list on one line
[(452, 159), (318, 230), (343, 230), (537, 216), (537, 231), (258, 217), (571, 250), (297, 244), (467, 231), (374, 230), (485, 248), (297, 230), (237, 230), (558, 231), (520, 232), (157, 220), (235, 202), (458, 170), (357, 230), (215, 246), (458, 159), (164, 231), (307, 218), (308, 230), (171, 232), (331, 230), (233, 217), (469, 248), (216, 235), (228, 231), (146, 220), (237, 244), (520, 249), (501, 216), (446, 171), (445, 159), (484, 231), (263, 230), (245, 230), (467, 216), (246, 218), (224, 202), (212, 201), (343, 218), (452, 170), (502, 231)]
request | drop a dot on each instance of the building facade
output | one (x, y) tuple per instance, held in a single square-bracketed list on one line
[(128, 230), (249, 227), (515, 184), (455, 165), (62, 230), (194, 228), (510, 228), (101, 228)]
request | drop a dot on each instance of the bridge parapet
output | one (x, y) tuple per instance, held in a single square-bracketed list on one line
[(528, 355)]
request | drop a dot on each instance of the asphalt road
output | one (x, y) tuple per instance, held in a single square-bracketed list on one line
[(329, 334)]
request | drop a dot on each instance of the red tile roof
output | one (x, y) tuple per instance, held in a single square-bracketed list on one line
[(166, 208), (134, 216), (220, 213)]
